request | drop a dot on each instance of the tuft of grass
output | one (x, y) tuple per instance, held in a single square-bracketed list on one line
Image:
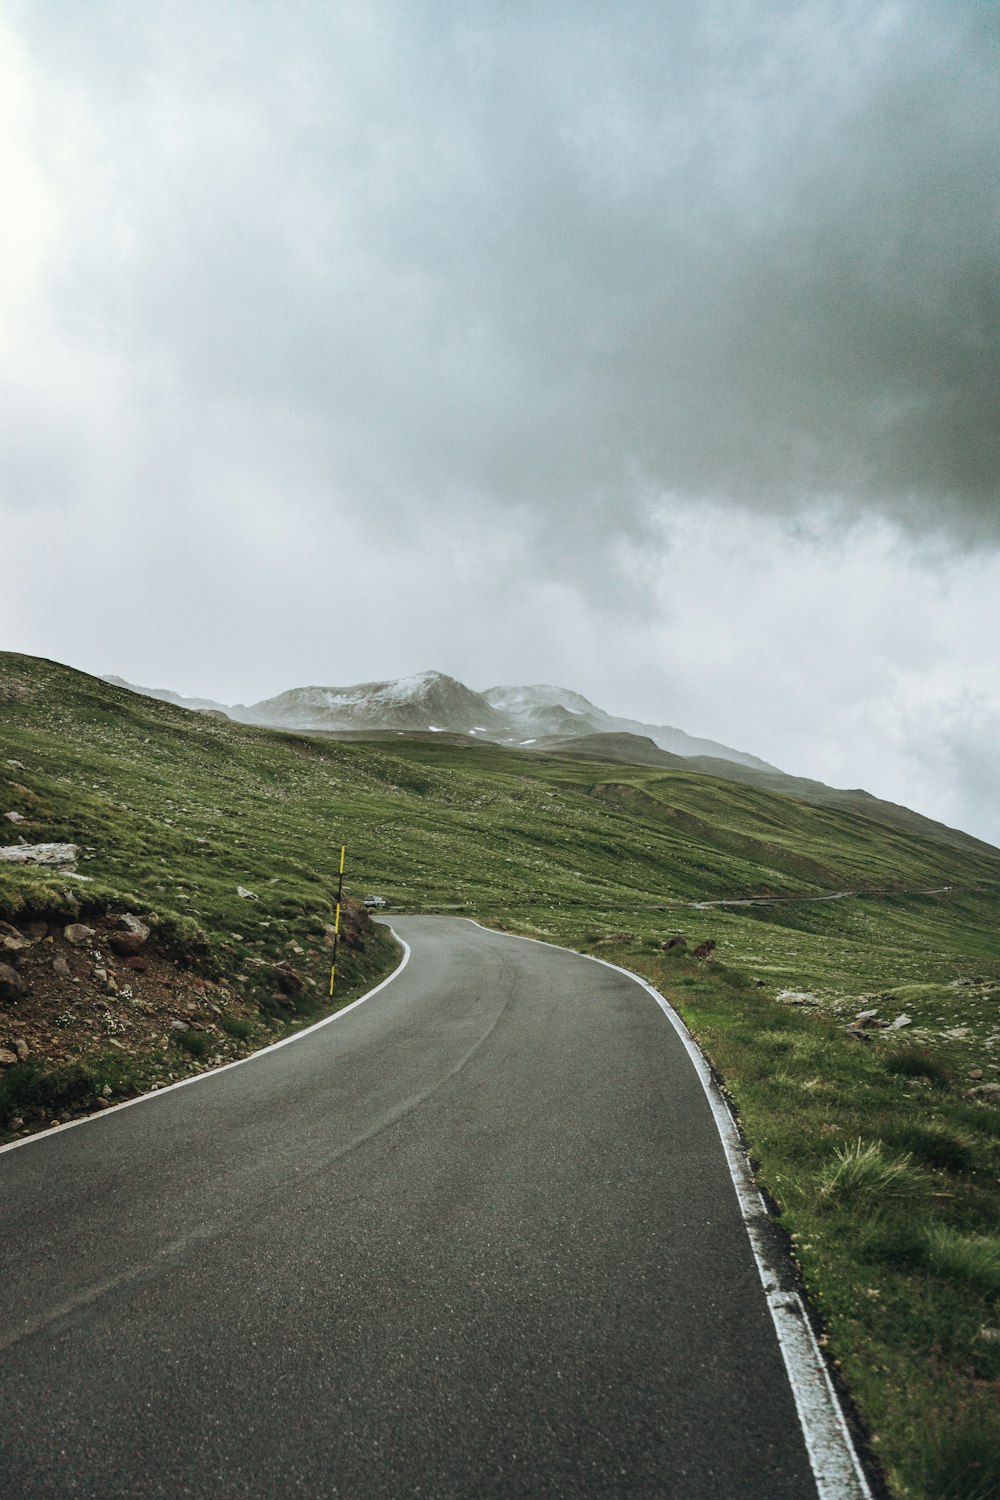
[(937, 1147), (238, 1027), (194, 1042), (973, 1258), (30, 1086), (862, 1178), (918, 1062), (956, 1459)]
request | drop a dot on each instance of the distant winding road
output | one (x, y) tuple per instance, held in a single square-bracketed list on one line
[(477, 1237)]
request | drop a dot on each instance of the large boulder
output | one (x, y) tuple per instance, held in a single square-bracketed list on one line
[(11, 939), (59, 855), (126, 942), (79, 934), (989, 1093), (11, 984), (128, 922)]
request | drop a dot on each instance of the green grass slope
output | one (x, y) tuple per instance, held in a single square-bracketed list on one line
[(881, 1166)]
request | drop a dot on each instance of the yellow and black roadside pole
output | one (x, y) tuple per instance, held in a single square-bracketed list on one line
[(336, 920)]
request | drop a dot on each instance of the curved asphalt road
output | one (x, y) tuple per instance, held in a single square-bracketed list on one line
[(475, 1238)]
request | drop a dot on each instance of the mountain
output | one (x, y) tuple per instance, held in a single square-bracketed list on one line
[(428, 701), (622, 749), (165, 695), (432, 702), (544, 710)]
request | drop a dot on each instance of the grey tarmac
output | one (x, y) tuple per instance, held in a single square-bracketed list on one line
[(476, 1237)]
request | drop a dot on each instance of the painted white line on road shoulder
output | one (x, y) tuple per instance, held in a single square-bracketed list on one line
[(832, 1455), (183, 1083)]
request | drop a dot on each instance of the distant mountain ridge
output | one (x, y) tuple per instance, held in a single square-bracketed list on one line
[(544, 710), (166, 695), (433, 702)]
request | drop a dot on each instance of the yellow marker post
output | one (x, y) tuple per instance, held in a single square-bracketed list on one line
[(336, 921)]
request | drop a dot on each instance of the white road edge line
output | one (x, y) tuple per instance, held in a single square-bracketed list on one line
[(829, 1445), (183, 1083), (832, 1455)]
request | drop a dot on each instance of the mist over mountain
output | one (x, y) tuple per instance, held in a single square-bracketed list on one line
[(433, 702), (543, 710), (427, 701), (167, 695)]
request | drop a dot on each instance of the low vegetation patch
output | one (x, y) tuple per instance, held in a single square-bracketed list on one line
[(842, 975), (863, 1178)]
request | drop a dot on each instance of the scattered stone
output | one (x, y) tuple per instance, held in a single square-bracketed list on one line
[(857, 1031), (40, 854), (60, 967), (180, 1026), (101, 975), (22, 1049), (987, 1335), (242, 891), (106, 1091), (126, 943), (672, 943), (18, 765), (289, 982), (961, 984), (15, 817), (11, 983), (79, 934), (128, 922), (865, 1015), (989, 1093), (975, 1072), (7, 1057), (705, 949), (795, 997), (13, 942), (901, 1020), (137, 963)]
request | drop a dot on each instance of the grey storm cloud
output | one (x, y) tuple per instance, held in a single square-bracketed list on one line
[(579, 260)]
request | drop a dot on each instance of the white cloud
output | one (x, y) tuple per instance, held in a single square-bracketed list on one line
[(649, 351)]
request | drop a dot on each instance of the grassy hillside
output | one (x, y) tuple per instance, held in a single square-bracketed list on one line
[(881, 1167)]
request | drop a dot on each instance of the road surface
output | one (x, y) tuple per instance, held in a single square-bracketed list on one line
[(475, 1238)]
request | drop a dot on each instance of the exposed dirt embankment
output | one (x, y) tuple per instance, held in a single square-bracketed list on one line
[(99, 1008)]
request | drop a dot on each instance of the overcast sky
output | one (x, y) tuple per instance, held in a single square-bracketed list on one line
[(647, 348)]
